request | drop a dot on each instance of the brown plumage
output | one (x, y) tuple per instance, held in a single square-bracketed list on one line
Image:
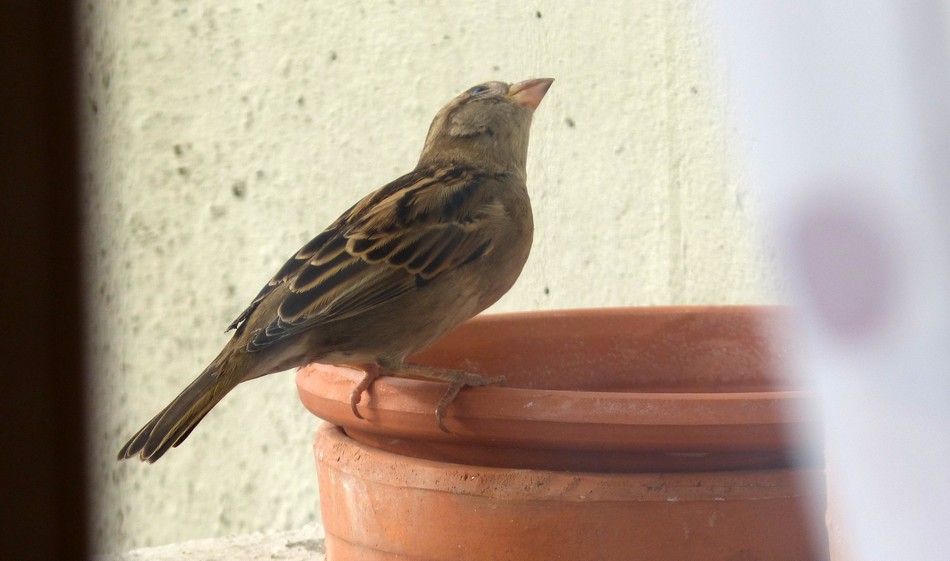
[(394, 272)]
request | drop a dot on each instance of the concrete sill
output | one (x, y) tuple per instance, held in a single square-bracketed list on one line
[(304, 544)]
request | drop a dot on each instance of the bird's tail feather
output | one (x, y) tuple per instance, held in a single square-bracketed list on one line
[(172, 425)]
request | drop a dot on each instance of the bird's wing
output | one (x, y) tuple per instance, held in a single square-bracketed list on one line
[(396, 239), (287, 272)]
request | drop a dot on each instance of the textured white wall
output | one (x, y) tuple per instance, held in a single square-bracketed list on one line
[(222, 137)]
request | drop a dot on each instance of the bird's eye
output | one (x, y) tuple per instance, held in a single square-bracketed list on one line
[(477, 90)]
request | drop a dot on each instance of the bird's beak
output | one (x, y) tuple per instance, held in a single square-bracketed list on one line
[(530, 92)]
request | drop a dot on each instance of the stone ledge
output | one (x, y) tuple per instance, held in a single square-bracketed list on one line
[(303, 544)]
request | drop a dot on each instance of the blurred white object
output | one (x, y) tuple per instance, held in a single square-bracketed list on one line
[(844, 113)]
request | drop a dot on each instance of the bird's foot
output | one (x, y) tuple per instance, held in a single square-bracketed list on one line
[(456, 379), (371, 373)]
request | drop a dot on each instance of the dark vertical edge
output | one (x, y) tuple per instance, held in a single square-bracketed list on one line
[(42, 425)]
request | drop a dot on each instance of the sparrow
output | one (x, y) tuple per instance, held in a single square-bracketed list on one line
[(396, 271)]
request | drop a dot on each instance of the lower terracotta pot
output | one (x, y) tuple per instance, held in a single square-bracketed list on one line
[(622, 434), (381, 506)]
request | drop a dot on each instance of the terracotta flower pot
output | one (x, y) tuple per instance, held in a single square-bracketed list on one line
[(654, 434)]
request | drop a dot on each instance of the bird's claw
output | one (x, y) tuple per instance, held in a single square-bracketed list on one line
[(456, 380), (357, 394), (355, 397), (462, 379), (450, 393)]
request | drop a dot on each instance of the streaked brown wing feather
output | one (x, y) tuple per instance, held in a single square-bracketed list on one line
[(288, 271), (397, 238)]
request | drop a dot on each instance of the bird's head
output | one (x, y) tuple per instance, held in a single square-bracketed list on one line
[(486, 126)]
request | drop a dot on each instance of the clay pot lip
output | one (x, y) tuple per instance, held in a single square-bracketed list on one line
[(517, 416), (415, 397), (334, 449)]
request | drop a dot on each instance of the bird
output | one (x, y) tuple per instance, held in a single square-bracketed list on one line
[(392, 274)]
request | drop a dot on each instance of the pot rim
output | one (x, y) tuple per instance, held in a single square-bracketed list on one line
[(665, 421), (333, 448), (417, 398)]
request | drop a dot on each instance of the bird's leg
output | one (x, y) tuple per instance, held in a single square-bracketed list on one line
[(456, 379), (372, 372)]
